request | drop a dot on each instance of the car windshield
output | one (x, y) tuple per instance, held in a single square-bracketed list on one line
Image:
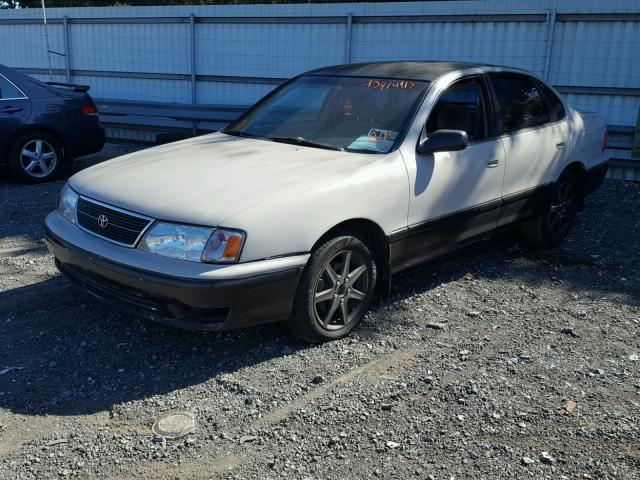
[(353, 114)]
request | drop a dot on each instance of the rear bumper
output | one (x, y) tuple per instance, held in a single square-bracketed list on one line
[(182, 302), (595, 177), (85, 138)]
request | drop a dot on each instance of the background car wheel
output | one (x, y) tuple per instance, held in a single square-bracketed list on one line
[(35, 157), (335, 290), (554, 225)]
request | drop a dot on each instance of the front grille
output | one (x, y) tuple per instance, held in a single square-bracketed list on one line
[(108, 222)]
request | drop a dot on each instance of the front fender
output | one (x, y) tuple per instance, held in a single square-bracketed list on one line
[(292, 222)]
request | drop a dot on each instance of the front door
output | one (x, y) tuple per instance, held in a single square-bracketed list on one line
[(15, 109), (455, 196)]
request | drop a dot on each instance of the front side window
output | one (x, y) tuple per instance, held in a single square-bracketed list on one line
[(7, 90), (521, 103), (461, 107), (354, 114)]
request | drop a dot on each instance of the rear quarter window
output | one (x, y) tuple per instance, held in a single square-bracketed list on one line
[(556, 110), (7, 90)]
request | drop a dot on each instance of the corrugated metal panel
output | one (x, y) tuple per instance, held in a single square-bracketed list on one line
[(591, 54), (272, 50), (26, 46), (178, 91), (157, 48), (618, 110), (507, 43), (231, 93), (606, 54)]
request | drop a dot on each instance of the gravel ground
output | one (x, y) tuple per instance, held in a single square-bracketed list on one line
[(493, 362)]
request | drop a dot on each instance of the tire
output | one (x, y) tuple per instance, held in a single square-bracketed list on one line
[(550, 229), (324, 298), (35, 157)]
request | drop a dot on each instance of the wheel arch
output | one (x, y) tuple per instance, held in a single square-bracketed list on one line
[(377, 239), (33, 128)]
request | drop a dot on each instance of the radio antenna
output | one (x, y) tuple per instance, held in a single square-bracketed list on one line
[(46, 36)]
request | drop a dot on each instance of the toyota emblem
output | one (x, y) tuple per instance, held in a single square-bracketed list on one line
[(103, 221)]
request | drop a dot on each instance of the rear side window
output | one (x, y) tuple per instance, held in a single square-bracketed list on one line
[(521, 103), (556, 110), (7, 90)]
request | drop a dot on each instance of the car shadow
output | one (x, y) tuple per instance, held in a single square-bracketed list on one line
[(579, 266), (74, 356), (79, 356)]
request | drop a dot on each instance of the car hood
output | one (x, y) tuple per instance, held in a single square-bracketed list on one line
[(204, 180)]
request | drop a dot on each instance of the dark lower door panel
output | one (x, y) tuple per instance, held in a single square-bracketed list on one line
[(524, 205), (436, 237)]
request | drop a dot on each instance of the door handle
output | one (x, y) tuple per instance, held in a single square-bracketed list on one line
[(561, 143), (10, 109), (493, 161)]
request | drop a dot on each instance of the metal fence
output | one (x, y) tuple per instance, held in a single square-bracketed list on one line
[(176, 67)]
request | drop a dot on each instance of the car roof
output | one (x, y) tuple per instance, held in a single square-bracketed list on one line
[(413, 70), (10, 73)]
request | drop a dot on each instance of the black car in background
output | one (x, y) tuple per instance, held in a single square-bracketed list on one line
[(44, 125)]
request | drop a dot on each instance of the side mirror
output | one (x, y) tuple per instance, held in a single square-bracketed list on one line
[(443, 141)]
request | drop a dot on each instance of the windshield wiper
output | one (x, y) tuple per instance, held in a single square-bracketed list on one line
[(363, 150), (238, 133), (302, 142)]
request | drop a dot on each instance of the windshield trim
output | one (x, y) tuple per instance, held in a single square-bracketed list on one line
[(410, 118)]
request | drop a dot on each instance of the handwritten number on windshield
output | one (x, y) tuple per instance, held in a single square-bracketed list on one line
[(383, 85)]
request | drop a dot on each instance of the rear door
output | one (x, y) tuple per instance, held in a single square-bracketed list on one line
[(534, 133), (15, 109)]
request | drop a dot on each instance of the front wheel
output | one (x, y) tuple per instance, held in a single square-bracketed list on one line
[(335, 290), (550, 229)]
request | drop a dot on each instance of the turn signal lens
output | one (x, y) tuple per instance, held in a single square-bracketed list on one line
[(232, 250), (224, 246)]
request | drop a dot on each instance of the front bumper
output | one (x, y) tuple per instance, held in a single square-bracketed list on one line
[(193, 303)]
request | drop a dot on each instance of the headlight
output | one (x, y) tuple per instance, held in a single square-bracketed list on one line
[(194, 244), (68, 203), (177, 241)]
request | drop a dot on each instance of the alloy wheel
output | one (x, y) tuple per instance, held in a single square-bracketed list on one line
[(563, 210), (38, 158), (341, 290)]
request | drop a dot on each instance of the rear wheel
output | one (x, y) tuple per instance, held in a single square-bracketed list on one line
[(335, 291), (35, 157), (554, 225)]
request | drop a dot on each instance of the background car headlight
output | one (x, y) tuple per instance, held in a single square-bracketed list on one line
[(185, 242), (68, 203), (224, 246)]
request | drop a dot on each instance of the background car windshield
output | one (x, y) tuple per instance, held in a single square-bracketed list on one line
[(354, 114)]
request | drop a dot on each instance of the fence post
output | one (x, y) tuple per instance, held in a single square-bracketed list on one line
[(551, 26), (347, 39), (192, 47), (67, 47)]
